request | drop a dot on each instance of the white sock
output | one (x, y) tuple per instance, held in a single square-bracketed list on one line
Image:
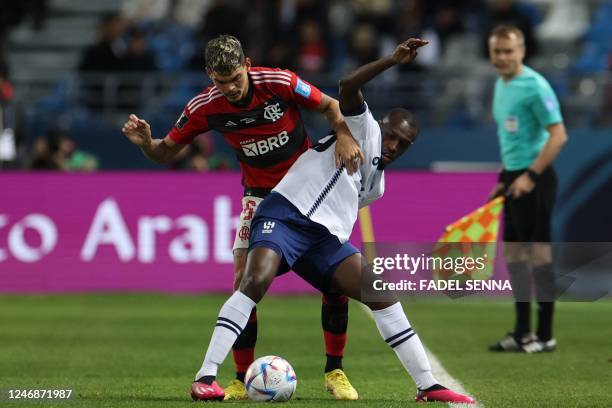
[(232, 319), (394, 327)]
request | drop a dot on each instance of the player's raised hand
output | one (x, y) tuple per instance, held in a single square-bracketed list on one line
[(137, 131), (407, 51)]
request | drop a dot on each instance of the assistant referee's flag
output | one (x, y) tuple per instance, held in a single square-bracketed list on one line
[(473, 235)]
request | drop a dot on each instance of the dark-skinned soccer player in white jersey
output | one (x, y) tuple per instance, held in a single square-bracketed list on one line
[(304, 225)]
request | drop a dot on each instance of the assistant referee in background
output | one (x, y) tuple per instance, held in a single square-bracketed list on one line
[(531, 134)]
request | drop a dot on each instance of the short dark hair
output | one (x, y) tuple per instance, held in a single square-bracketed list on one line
[(506, 31), (224, 54), (406, 115)]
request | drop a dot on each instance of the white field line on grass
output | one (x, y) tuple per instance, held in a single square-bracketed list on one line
[(440, 373), (448, 380)]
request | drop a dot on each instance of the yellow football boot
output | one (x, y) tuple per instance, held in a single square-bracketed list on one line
[(338, 384), (235, 390)]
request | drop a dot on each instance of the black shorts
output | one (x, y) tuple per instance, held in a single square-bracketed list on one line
[(528, 218)]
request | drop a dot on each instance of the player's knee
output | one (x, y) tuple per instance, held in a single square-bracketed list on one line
[(255, 284), (514, 252), (541, 254)]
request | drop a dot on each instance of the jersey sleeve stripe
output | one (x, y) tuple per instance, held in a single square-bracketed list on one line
[(202, 97), (202, 103), (260, 75), (274, 81), (272, 73), (270, 77)]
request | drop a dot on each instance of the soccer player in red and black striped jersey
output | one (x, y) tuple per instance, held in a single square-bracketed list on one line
[(256, 109)]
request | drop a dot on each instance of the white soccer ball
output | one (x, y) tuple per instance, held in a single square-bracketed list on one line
[(270, 378)]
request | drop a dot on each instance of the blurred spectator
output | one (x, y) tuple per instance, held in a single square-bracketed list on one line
[(137, 57), (223, 17), (565, 20), (40, 156), (145, 10), (409, 18), (67, 157), (280, 54), (200, 156), (11, 122), (379, 14), (137, 60), (448, 23), (508, 12), (312, 54), (190, 12), (364, 44), (12, 13), (6, 89), (106, 54)]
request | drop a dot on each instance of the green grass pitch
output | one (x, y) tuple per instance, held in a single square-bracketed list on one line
[(141, 350)]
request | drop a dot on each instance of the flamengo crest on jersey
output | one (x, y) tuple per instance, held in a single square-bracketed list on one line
[(267, 134), (329, 196)]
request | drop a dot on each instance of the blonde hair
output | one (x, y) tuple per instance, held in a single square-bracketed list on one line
[(224, 55)]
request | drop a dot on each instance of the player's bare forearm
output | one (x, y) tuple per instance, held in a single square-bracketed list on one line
[(330, 108), (351, 97), (159, 152), (556, 141), (352, 82)]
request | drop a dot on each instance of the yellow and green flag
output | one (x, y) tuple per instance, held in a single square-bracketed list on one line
[(473, 235)]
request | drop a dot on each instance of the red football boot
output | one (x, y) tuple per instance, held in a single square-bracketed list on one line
[(205, 392), (443, 395)]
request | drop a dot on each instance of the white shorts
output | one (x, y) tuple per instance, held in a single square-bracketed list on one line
[(249, 205)]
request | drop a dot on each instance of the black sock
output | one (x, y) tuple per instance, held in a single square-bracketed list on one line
[(546, 291), (545, 320), (240, 376), (333, 363), (522, 325), (207, 379), (334, 319), (520, 278)]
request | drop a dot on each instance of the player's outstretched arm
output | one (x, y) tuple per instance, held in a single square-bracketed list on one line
[(138, 131), (351, 97)]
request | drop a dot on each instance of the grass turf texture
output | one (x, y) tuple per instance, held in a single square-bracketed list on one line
[(136, 350)]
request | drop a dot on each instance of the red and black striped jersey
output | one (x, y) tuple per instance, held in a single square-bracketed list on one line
[(267, 133)]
